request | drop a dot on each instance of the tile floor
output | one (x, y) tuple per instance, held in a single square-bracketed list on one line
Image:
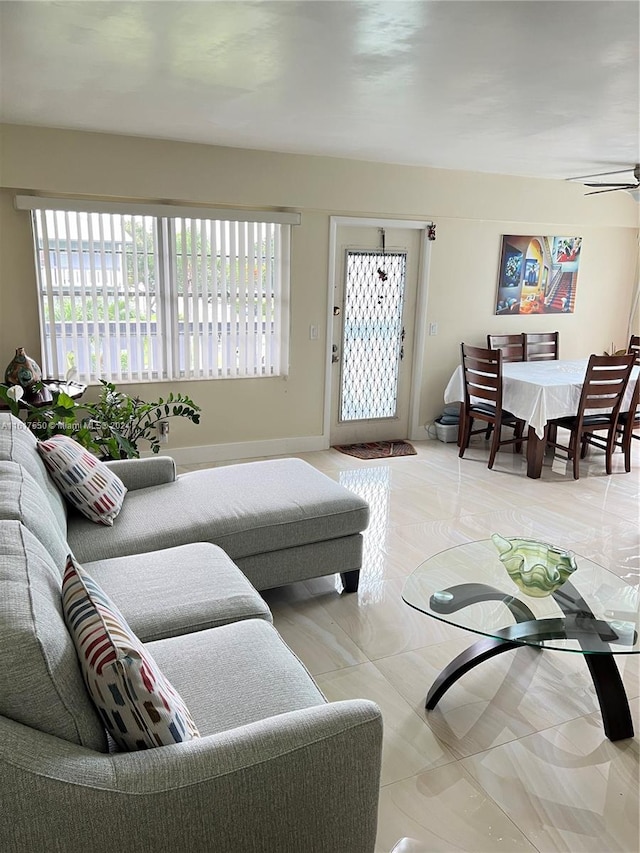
[(514, 757)]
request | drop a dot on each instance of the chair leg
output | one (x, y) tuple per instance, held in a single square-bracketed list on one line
[(517, 447), (466, 434), (461, 423), (626, 449), (573, 451), (495, 443), (611, 436)]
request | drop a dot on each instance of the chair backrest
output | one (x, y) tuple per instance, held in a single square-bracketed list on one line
[(541, 346), (633, 419), (482, 373), (605, 383), (511, 346), (634, 347)]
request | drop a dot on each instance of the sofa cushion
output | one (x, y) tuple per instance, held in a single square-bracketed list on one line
[(86, 482), (18, 444), (188, 588), (205, 667), (137, 703), (41, 683), (21, 499), (247, 508)]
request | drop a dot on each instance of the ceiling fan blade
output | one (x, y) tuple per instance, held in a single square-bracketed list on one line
[(610, 190), (600, 174), (623, 186)]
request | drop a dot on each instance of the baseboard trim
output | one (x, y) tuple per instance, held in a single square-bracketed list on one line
[(243, 449)]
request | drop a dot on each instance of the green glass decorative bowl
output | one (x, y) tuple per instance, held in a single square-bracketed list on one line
[(538, 569)]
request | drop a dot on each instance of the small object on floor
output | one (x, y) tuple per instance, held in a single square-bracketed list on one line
[(377, 449)]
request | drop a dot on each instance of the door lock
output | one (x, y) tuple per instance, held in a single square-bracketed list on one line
[(335, 358)]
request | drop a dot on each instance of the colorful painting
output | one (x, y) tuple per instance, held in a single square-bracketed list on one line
[(538, 275)]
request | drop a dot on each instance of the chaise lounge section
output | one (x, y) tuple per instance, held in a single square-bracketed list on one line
[(279, 520)]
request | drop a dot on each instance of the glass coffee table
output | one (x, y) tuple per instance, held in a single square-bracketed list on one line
[(589, 611)]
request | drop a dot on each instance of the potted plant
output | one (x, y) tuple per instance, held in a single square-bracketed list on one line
[(112, 427), (118, 422)]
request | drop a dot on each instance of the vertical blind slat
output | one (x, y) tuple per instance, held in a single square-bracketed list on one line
[(195, 299), (115, 299), (137, 344), (132, 363), (73, 316), (265, 307), (58, 292), (94, 366), (207, 302), (82, 322), (242, 297), (234, 339), (221, 286)]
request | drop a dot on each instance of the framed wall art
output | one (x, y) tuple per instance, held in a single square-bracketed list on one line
[(538, 275)]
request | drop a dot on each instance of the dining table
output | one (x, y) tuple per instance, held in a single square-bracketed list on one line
[(539, 392)]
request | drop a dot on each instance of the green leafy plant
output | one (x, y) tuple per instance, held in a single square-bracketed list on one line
[(47, 419), (112, 427), (117, 422)]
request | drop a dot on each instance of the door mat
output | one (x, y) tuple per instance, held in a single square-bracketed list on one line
[(377, 449)]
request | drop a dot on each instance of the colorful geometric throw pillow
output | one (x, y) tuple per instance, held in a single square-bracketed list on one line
[(138, 706), (86, 482)]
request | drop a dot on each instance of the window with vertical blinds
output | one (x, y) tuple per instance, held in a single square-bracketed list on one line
[(157, 292)]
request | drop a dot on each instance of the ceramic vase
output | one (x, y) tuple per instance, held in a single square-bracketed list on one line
[(22, 370)]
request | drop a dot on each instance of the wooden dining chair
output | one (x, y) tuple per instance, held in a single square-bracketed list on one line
[(634, 347), (511, 346), (482, 375), (541, 346), (603, 389)]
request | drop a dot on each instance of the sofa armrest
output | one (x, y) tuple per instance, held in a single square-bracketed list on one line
[(141, 473), (306, 781)]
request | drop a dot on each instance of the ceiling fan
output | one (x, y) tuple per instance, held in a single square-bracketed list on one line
[(633, 182)]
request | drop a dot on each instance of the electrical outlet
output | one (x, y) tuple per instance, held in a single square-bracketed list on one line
[(163, 432), (433, 328)]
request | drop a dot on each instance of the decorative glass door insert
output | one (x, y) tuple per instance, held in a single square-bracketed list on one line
[(373, 334)]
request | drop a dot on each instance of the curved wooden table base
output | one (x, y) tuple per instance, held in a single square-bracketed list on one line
[(579, 623)]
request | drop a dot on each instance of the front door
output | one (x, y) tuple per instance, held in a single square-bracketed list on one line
[(373, 330)]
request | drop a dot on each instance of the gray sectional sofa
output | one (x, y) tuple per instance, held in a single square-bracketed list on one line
[(278, 769)]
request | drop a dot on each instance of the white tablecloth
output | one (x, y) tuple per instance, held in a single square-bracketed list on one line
[(539, 391)]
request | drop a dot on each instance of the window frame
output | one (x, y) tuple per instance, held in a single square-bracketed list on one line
[(166, 248)]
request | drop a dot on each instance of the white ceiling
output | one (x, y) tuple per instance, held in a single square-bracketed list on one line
[(545, 89)]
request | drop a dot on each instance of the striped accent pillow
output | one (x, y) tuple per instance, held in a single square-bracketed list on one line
[(138, 706), (86, 482)]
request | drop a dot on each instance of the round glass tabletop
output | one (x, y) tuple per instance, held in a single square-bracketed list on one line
[(528, 592)]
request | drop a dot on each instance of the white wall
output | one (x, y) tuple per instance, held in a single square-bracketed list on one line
[(471, 211)]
